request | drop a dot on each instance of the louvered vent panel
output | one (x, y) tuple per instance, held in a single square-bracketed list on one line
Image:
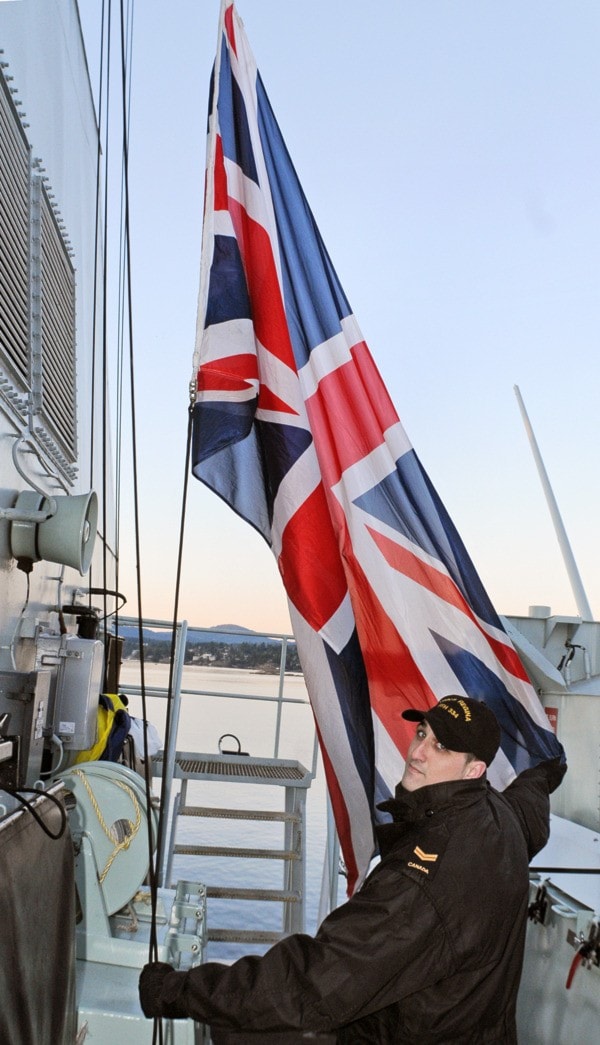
[(14, 239), (58, 334)]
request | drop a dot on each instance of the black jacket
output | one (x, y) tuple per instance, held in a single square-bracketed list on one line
[(429, 950)]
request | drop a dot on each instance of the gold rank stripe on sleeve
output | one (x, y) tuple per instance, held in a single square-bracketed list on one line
[(425, 857)]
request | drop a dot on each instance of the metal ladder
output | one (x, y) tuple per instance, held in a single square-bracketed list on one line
[(231, 769)]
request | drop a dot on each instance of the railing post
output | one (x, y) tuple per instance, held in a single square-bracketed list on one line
[(170, 753), (282, 664)]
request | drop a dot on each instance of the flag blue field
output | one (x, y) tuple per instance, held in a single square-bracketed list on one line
[(294, 429)]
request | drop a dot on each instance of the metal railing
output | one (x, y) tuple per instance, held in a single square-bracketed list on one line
[(178, 692)]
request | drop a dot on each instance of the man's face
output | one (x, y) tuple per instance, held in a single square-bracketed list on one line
[(429, 762)]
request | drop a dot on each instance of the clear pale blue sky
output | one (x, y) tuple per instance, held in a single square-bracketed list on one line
[(450, 152)]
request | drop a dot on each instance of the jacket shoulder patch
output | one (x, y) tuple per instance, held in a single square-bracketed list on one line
[(428, 858)]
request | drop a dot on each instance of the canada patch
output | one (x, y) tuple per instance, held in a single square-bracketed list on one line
[(426, 858)]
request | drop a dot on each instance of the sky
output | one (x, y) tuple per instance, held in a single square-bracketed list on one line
[(450, 152)]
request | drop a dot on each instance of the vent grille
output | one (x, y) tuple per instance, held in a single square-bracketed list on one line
[(58, 332), (37, 296), (14, 239)]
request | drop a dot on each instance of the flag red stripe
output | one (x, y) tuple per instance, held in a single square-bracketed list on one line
[(395, 681), (229, 28), (220, 178), (341, 815), (344, 436), (230, 373), (267, 400), (309, 562), (442, 585), (268, 313)]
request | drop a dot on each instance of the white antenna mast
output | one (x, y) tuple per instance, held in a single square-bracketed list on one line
[(583, 606)]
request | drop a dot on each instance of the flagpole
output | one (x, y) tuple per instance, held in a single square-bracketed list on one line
[(581, 601)]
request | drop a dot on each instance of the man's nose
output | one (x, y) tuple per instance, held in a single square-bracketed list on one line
[(418, 748)]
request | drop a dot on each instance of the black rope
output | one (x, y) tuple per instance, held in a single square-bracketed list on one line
[(566, 870), (122, 299), (162, 823), (104, 327), (154, 949), (110, 591), (125, 313), (152, 879), (18, 794), (96, 244)]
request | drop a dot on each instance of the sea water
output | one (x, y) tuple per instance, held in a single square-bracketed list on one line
[(204, 719)]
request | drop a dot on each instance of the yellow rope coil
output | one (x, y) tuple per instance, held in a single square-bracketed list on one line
[(126, 842)]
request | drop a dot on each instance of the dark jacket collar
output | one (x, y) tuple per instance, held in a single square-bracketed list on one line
[(409, 807)]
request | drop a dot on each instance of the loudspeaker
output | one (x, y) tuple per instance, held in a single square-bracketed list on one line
[(67, 537)]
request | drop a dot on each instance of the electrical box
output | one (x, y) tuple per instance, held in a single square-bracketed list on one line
[(24, 700), (78, 669), (78, 687)]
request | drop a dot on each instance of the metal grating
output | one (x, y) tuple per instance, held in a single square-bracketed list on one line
[(37, 294), (14, 238), (58, 333), (243, 936), (241, 852), (226, 892), (273, 815), (249, 770)]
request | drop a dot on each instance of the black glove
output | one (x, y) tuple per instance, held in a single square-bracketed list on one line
[(551, 772), (555, 770), (151, 981)]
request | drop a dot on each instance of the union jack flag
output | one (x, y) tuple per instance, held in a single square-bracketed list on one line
[(294, 428)]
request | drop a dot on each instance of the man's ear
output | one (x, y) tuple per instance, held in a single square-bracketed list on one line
[(475, 769)]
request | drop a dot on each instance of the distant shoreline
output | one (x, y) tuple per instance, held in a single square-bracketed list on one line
[(261, 657), (134, 662)]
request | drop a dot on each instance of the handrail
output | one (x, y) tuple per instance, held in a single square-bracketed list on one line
[(329, 899), (179, 691)]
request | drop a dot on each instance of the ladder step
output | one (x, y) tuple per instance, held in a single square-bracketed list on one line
[(191, 765), (225, 892), (223, 850), (240, 814), (243, 936)]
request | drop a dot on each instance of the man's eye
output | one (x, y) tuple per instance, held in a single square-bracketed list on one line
[(440, 746)]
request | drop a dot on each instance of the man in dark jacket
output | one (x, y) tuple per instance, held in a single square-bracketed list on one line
[(430, 949)]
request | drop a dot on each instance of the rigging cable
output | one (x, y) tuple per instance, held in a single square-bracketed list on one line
[(105, 79), (124, 315), (152, 875), (163, 813), (105, 337), (96, 252), (122, 298)]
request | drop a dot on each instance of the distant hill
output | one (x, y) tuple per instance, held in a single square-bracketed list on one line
[(238, 634)]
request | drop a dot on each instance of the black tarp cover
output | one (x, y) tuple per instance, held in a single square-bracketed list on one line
[(37, 931)]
